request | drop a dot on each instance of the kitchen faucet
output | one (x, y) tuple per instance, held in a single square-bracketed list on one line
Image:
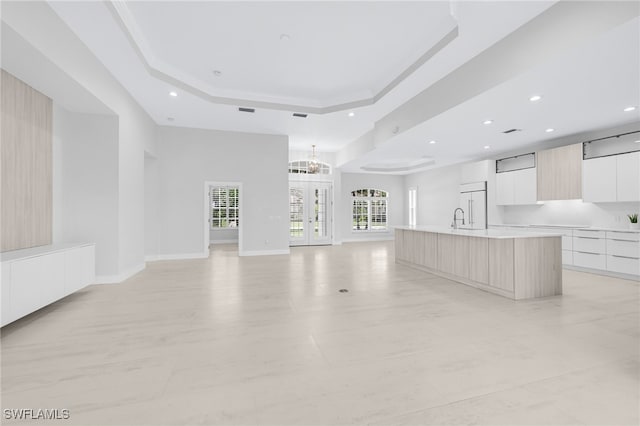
[(454, 225)]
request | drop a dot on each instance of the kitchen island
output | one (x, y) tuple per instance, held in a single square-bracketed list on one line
[(512, 264)]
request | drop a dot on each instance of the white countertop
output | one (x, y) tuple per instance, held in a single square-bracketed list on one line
[(583, 227), (10, 256), (484, 233)]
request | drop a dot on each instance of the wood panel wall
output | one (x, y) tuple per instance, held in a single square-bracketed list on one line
[(26, 161)]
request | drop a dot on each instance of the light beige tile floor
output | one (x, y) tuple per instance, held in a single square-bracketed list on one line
[(270, 340)]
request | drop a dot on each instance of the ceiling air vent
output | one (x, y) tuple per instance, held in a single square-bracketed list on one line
[(246, 109), (297, 114), (511, 131)]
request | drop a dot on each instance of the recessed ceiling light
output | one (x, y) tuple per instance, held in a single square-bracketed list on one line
[(629, 108), (487, 147), (549, 130), (351, 114), (217, 73), (170, 118), (174, 94), (285, 37), (487, 122), (535, 98), (432, 142)]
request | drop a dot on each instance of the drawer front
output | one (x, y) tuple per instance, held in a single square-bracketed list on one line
[(623, 248), (567, 242), (624, 265), (621, 235), (567, 257), (588, 233), (590, 260), (589, 245)]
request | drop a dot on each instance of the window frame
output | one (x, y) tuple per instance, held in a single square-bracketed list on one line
[(368, 202), (302, 168), (231, 204)]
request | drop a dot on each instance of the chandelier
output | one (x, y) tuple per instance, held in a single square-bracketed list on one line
[(313, 167)]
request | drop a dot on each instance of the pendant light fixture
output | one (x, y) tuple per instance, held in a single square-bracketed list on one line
[(313, 167)]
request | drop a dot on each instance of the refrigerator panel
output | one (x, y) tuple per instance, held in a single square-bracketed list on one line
[(478, 214), (465, 204)]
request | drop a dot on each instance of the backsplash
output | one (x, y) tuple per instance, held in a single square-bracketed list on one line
[(571, 212)]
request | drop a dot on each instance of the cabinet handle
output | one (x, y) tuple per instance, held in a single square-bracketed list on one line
[(587, 252), (590, 238), (617, 239), (624, 257)]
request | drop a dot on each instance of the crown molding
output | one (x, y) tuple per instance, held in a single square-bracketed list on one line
[(174, 77)]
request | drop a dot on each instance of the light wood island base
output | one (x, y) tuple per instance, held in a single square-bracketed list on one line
[(515, 266)]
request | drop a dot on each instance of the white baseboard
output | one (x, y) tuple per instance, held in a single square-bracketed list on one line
[(115, 279), (602, 272), (177, 256), (263, 252), (212, 242)]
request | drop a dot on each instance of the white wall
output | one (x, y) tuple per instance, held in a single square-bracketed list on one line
[(438, 195), (343, 209), (572, 212), (439, 191), (190, 157), (151, 206), (136, 131), (85, 183)]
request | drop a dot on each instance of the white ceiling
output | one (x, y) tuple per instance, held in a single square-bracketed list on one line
[(586, 89), (341, 51), (306, 53)]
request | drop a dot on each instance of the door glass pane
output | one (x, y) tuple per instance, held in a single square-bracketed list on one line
[(296, 212), (321, 224)]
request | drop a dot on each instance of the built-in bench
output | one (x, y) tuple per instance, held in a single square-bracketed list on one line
[(36, 277)]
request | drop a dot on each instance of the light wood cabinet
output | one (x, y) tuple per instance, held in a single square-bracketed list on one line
[(453, 255), (517, 267), (479, 260), (430, 250), (501, 264), (537, 262), (400, 246), (559, 173)]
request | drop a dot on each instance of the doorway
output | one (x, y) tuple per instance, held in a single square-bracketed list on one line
[(310, 213)]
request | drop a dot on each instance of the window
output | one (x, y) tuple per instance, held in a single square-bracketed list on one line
[(224, 207), (413, 206), (369, 211), (302, 167)]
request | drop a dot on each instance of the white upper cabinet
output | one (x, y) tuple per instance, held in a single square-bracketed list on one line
[(599, 179), (615, 178), (628, 177), (525, 186), (516, 187), (504, 189)]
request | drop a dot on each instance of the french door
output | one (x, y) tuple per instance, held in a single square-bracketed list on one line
[(310, 212)]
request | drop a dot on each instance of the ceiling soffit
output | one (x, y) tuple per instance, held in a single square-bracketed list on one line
[(169, 74)]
